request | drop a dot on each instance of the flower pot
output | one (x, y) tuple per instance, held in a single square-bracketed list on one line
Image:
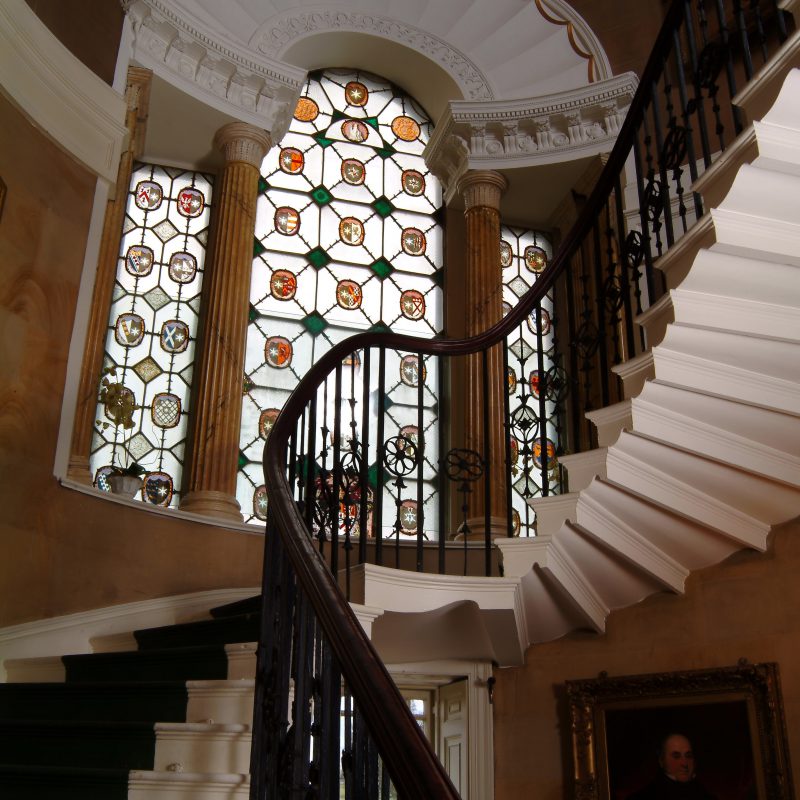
[(125, 485)]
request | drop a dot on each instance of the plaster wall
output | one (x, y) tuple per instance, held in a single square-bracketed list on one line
[(63, 551), (743, 608)]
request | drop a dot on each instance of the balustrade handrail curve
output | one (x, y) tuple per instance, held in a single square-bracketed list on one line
[(414, 767)]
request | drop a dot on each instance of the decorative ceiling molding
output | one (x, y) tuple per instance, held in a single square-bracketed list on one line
[(522, 133), (281, 31), (246, 85), (581, 37)]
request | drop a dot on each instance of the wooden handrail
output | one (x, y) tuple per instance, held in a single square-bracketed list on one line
[(417, 773)]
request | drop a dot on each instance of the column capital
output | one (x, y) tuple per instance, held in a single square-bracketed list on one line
[(240, 141), (482, 188)]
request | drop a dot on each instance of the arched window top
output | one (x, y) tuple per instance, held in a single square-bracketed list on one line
[(348, 239)]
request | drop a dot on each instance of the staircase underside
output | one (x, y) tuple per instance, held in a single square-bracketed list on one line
[(700, 460)]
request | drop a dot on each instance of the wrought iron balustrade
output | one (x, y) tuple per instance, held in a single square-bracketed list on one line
[(350, 476)]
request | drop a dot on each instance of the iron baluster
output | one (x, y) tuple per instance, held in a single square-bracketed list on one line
[(464, 467), (696, 104)]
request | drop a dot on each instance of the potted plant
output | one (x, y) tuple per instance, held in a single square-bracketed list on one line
[(119, 403)]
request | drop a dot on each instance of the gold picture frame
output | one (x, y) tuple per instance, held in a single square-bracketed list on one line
[(733, 717)]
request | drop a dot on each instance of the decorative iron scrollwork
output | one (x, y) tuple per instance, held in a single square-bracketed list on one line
[(633, 251), (613, 295), (710, 63), (674, 148), (653, 201)]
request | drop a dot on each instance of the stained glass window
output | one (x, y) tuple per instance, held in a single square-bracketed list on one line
[(347, 239), (152, 327), (533, 375)]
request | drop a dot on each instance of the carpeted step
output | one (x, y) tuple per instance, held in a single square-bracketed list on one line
[(25, 782), (239, 628), (108, 745), (250, 605), (172, 664), (163, 701)]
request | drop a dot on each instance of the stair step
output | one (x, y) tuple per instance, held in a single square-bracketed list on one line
[(686, 542), (763, 372), (112, 745), (756, 439), (582, 468), (250, 605), (183, 663), (202, 747), (124, 701), (163, 785), (712, 495), (28, 782), (610, 421), (239, 628), (220, 701)]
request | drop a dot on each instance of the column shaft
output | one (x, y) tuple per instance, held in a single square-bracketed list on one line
[(137, 94), (210, 471), (484, 307)]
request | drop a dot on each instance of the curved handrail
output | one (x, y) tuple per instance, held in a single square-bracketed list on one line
[(416, 771)]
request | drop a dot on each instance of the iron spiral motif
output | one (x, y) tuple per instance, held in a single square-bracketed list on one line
[(400, 457)]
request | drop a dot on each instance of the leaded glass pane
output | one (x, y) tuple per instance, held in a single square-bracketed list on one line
[(346, 239), (532, 370), (152, 327)]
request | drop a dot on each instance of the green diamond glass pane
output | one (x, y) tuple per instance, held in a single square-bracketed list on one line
[(322, 141), (243, 460), (383, 206), (314, 323), (372, 476), (372, 121), (262, 184), (380, 327), (318, 258), (387, 151), (337, 115), (247, 384), (252, 314), (382, 268), (438, 277), (387, 402), (258, 248), (321, 196)]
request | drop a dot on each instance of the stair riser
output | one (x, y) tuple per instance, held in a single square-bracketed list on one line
[(203, 752), (57, 746), (193, 664), (207, 632), (75, 702), (225, 706)]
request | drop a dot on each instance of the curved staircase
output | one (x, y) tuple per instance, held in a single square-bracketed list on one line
[(700, 460)]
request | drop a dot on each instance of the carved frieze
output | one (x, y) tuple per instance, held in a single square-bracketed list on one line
[(281, 31), (502, 134), (248, 86)]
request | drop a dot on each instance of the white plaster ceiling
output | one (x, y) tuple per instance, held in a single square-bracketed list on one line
[(515, 50), (437, 50)]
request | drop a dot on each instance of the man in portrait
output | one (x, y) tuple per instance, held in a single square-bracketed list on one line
[(677, 780)]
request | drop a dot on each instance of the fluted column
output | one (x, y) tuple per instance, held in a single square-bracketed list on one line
[(210, 470), (137, 96), (482, 190)]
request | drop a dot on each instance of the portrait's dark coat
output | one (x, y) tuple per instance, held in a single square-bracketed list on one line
[(664, 788)]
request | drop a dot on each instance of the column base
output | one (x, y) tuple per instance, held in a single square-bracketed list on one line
[(498, 528), (78, 470), (209, 503)]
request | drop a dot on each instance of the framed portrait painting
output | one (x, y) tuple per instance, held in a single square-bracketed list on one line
[(719, 732)]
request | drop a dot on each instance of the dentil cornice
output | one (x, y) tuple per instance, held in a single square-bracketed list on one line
[(282, 30), (247, 85), (504, 134)]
